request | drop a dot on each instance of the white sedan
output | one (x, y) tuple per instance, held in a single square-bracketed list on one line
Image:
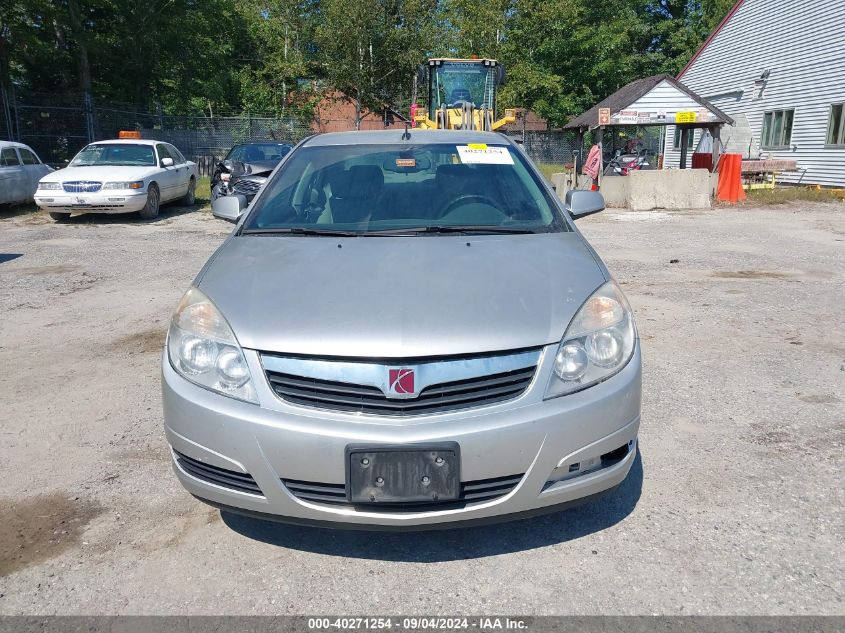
[(118, 177), (20, 171)]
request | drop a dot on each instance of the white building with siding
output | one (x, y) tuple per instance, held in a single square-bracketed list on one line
[(777, 67)]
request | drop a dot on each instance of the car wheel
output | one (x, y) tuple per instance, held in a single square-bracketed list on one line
[(190, 197), (150, 209), (60, 217)]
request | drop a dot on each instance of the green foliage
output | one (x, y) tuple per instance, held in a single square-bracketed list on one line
[(369, 49), (283, 56)]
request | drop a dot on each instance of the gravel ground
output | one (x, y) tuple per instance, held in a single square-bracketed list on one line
[(735, 506)]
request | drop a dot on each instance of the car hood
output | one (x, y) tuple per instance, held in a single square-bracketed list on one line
[(400, 297), (116, 173)]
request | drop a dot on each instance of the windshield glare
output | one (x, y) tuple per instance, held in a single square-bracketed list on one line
[(258, 152), (375, 188), (116, 154)]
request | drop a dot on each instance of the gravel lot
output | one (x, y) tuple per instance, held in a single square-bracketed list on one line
[(735, 506)]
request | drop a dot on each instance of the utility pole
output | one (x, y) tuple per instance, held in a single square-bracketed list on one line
[(88, 109)]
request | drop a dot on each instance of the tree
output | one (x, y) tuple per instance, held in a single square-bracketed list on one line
[(279, 56), (276, 56), (369, 49), (476, 28)]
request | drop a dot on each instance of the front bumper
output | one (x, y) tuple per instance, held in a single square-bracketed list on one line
[(110, 201), (531, 437)]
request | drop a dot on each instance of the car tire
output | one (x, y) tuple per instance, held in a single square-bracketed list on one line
[(150, 210), (191, 197), (59, 217)]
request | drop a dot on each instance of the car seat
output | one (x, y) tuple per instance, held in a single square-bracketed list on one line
[(453, 181), (460, 94), (356, 192)]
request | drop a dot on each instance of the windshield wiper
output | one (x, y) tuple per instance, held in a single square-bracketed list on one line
[(300, 230), (464, 229)]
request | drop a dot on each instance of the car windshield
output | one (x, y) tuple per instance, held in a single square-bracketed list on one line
[(404, 189), (115, 154), (258, 152)]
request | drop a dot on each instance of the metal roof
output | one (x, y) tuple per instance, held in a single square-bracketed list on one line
[(629, 93)]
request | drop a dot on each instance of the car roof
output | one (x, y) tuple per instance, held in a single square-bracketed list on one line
[(128, 141), (246, 143), (14, 144), (394, 137)]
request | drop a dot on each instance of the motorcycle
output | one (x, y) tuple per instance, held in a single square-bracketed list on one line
[(623, 164)]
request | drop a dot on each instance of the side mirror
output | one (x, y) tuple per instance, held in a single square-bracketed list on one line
[(229, 207), (167, 162), (582, 203)]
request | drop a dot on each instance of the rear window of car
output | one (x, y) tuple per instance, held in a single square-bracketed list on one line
[(370, 188)]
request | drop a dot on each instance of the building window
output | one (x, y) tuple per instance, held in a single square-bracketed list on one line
[(836, 125), (676, 144), (777, 129)]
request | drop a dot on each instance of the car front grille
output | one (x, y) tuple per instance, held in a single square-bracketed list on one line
[(471, 492), (438, 398), (241, 482), (82, 186), (247, 186)]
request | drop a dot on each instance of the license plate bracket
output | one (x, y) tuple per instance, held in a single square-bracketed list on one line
[(403, 474)]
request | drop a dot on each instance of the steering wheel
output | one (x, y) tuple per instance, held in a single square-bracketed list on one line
[(466, 199)]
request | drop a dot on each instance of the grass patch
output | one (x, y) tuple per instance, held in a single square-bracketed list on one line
[(548, 169), (203, 192), (783, 195)]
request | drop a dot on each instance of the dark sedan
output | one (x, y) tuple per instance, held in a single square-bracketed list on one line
[(246, 168)]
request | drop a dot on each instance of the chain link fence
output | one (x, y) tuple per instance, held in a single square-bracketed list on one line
[(57, 130), (57, 127), (553, 147)]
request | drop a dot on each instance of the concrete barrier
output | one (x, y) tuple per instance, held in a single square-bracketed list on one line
[(668, 189), (649, 189), (615, 190), (563, 182)]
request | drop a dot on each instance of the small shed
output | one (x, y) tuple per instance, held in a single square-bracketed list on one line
[(664, 101), (657, 100)]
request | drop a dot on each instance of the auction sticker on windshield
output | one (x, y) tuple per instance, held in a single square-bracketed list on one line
[(482, 154)]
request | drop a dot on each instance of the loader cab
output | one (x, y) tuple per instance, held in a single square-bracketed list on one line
[(453, 82)]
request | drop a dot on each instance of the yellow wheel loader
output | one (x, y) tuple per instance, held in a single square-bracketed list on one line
[(462, 95)]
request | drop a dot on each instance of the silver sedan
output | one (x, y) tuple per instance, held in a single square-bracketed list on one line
[(20, 171), (403, 332)]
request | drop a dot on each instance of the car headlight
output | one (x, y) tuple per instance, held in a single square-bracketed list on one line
[(135, 184), (203, 349), (597, 344), (50, 185)]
